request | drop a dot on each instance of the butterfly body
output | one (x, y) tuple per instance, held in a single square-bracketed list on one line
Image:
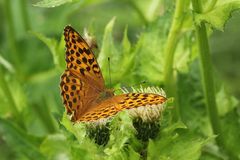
[(82, 85)]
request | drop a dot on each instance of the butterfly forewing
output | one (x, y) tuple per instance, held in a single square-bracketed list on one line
[(82, 81), (81, 60)]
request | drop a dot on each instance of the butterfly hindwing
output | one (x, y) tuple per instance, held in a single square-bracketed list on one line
[(113, 105)]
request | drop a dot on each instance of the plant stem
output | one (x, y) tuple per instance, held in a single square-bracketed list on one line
[(11, 37), (9, 19), (169, 51), (23, 7), (207, 79)]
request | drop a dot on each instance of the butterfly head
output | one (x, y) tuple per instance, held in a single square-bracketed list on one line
[(107, 93)]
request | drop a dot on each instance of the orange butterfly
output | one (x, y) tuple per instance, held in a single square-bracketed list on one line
[(82, 85)]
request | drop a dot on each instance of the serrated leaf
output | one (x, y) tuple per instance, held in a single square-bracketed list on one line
[(122, 130), (83, 147), (176, 147), (122, 143), (149, 56), (107, 48), (218, 16), (51, 3), (126, 45), (78, 129)]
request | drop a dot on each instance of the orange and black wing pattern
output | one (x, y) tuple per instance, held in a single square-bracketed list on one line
[(113, 105), (82, 85), (81, 60), (82, 81)]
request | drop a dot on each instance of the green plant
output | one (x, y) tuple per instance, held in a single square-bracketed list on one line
[(171, 50)]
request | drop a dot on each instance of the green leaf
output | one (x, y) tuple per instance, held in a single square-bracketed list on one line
[(122, 133), (119, 57), (147, 10), (171, 128), (126, 59), (191, 101), (153, 10), (56, 147), (83, 147), (225, 102), (55, 48), (174, 145), (43, 76), (51, 3), (22, 144), (12, 96), (6, 64), (231, 132), (149, 55), (122, 143), (108, 49), (60, 50), (126, 45), (78, 129), (218, 16)]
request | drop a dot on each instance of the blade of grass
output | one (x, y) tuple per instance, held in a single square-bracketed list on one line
[(13, 107)]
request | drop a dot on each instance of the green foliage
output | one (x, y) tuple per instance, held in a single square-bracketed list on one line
[(219, 15), (56, 49), (135, 35), (183, 145), (24, 145), (124, 144)]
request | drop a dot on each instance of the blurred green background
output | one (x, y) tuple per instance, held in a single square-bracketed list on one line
[(30, 35), (226, 53)]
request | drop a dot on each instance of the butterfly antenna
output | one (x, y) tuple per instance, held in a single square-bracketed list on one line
[(109, 71)]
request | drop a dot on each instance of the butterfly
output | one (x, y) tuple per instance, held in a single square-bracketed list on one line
[(82, 86)]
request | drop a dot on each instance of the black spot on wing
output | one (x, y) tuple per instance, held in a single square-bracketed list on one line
[(82, 71), (80, 50), (87, 51), (84, 59), (90, 61)]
